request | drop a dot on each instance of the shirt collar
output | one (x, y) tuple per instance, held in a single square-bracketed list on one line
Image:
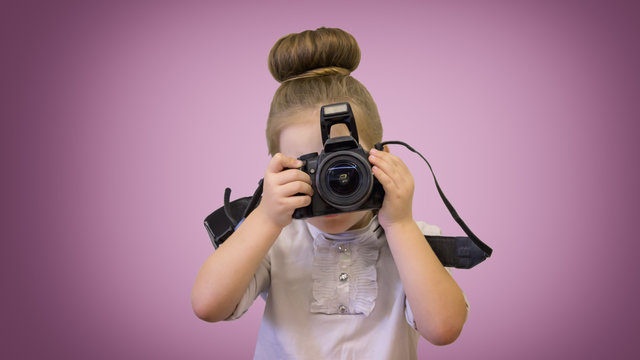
[(373, 228)]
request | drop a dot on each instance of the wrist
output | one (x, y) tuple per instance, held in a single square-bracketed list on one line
[(399, 226), (262, 217)]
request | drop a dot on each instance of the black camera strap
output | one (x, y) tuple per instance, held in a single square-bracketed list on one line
[(459, 252), (452, 251)]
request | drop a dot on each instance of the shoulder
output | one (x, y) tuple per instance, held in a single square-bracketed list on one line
[(428, 229), (293, 236), (296, 229)]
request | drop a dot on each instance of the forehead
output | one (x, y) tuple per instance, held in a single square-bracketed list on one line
[(301, 138), (303, 135)]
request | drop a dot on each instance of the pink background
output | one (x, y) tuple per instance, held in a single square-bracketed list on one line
[(123, 122)]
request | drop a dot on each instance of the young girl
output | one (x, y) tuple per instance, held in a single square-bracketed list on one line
[(358, 285)]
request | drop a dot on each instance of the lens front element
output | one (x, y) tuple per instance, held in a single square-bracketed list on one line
[(344, 180)]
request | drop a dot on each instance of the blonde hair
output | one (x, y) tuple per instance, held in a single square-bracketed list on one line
[(314, 69)]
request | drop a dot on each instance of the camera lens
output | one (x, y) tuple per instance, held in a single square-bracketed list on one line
[(343, 178)]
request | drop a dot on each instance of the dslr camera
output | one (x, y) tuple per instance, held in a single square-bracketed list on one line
[(341, 175)]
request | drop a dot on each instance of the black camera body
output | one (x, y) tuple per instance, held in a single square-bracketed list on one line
[(341, 175)]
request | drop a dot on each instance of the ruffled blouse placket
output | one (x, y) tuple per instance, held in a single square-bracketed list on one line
[(344, 270)]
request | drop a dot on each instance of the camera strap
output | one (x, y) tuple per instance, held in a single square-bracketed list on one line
[(452, 251), (455, 251)]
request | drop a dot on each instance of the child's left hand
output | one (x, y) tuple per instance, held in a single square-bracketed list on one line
[(397, 181)]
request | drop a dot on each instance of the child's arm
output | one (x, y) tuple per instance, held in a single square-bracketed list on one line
[(226, 274), (437, 303)]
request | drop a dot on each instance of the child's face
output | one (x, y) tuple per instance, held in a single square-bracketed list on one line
[(304, 137)]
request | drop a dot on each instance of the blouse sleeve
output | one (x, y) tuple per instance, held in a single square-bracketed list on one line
[(258, 285)]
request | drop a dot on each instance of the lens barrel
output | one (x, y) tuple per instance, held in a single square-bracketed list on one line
[(344, 180)]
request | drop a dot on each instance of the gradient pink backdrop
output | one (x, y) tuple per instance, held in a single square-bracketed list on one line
[(122, 123)]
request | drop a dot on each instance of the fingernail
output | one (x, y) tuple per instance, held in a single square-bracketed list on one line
[(373, 151)]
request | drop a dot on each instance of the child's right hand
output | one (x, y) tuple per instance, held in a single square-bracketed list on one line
[(283, 183)]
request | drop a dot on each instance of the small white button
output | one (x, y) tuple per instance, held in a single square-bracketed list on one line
[(342, 309), (343, 277)]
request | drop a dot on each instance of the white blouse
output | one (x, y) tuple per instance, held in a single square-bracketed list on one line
[(332, 296)]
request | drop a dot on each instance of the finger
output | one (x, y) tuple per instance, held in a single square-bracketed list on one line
[(394, 165), (296, 187), (280, 162), (401, 175), (294, 202), (381, 160), (401, 170), (291, 175), (399, 163), (387, 181), (395, 161)]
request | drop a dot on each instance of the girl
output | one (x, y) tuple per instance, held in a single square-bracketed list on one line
[(358, 285)]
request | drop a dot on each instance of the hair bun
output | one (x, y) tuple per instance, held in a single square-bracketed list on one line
[(311, 50)]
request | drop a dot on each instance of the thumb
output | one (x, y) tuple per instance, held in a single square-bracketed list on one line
[(280, 162)]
